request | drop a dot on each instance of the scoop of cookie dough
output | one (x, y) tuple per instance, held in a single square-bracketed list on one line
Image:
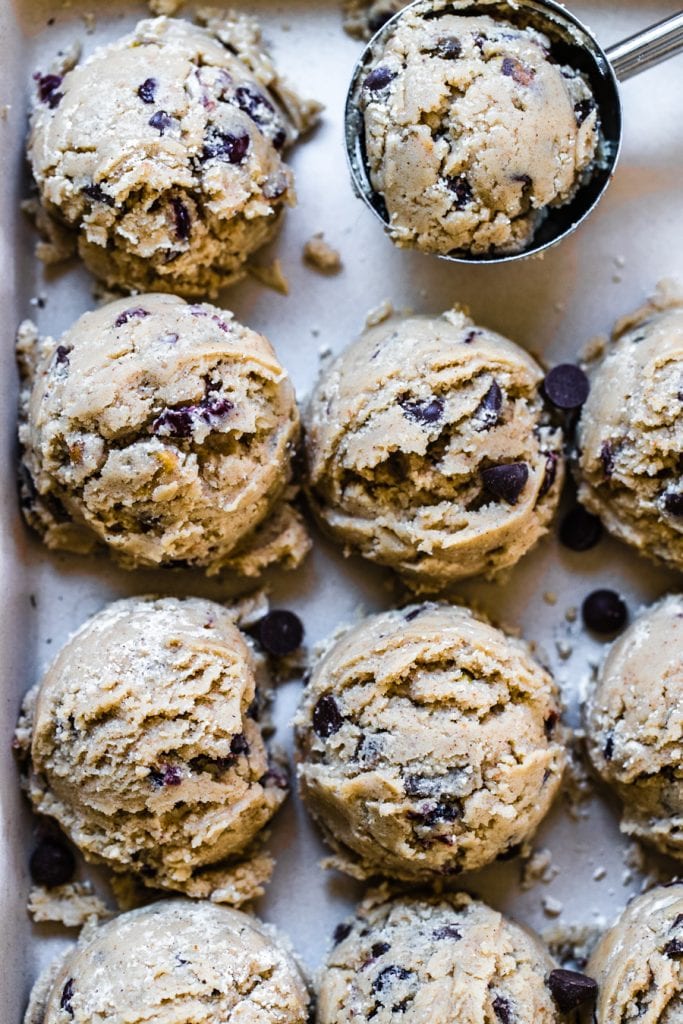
[(163, 153), (174, 961), (163, 431), (428, 744), (472, 130), (429, 449), (439, 960), (142, 740), (634, 725), (630, 435), (638, 962)]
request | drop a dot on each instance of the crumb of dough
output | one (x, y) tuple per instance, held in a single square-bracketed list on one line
[(577, 787), (271, 275), (552, 907), (321, 256), (90, 22), (71, 905), (550, 597), (571, 614), (168, 7), (537, 868), (379, 313)]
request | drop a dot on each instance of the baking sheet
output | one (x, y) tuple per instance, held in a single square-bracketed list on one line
[(551, 306)]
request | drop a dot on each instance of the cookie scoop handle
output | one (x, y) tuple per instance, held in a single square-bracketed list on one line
[(647, 48)]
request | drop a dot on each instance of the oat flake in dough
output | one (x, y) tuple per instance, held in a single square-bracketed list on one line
[(172, 962), (429, 744), (142, 739), (401, 432), (163, 153), (472, 131), (439, 960), (165, 432)]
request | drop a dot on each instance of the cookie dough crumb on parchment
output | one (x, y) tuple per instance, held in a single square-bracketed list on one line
[(71, 905), (321, 256)]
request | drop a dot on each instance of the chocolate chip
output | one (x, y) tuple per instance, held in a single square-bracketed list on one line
[(67, 996), (608, 749), (506, 481), (388, 976), (378, 79), (215, 408), (521, 73), (52, 863), (580, 530), (436, 814), (550, 723), (604, 611), (280, 632), (181, 217), (379, 20), (501, 1008), (479, 40), (97, 193), (551, 460), (62, 355), (175, 422), (488, 410), (48, 86), (566, 386), (430, 410), (448, 48), (226, 146), (447, 931), (674, 949), (238, 744), (147, 91), (166, 775), (570, 989), (673, 503), (341, 932), (327, 718), (254, 104), (461, 189), (275, 776), (380, 948), (161, 121), (526, 182), (169, 339), (511, 852), (607, 458), (583, 109), (136, 312), (413, 613), (279, 138)]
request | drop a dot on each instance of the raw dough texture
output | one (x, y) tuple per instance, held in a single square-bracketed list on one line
[(163, 431), (400, 430), (638, 963), (634, 725), (162, 152), (439, 960), (142, 742), (472, 131), (630, 435), (429, 744), (172, 962)]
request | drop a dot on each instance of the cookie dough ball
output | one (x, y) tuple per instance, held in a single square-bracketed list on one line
[(472, 130), (634, 725), (429, 450), (630, 435), (175, 961), (165, 432), (445, 959), (142, 742), (163, 153), (637, 963), (428, 744)]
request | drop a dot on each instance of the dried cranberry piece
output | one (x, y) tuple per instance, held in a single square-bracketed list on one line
[(571, 989), (148, 90), (327, 718), (461, 189), (226, 146), (379, 79), (429, 410), (521, 73), (506, 481), (48, 86), (52, 863)]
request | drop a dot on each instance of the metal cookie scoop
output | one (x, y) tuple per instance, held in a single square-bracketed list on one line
[(572, 44)]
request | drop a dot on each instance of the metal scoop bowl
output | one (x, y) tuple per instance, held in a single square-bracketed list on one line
[(572, 44)]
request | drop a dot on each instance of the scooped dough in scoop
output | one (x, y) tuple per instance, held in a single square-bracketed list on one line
[(165, 432), (142, 740), (174, 961), (429, 450), (472, 131)]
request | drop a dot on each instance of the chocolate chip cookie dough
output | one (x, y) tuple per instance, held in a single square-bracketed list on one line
[(429, 743), (448, 958), (429, 450), (163, 431), (162, 152), (634, 725), (172, 961), (142, 739), (638, 962), (472, 130), (630, 435)]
